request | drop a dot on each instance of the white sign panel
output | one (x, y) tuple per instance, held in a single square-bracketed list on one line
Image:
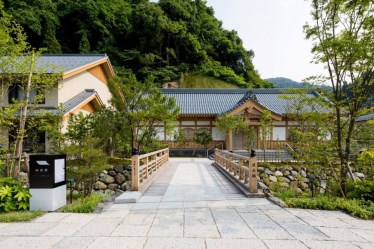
[(59, 170)]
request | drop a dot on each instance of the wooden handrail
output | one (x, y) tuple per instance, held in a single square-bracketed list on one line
[(233, 164), (144, 167)]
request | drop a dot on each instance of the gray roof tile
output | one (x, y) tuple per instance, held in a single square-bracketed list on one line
[(219, 101), (365, 117)]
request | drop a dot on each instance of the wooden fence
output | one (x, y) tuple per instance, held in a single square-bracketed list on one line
[(144, 167), (242, 168)]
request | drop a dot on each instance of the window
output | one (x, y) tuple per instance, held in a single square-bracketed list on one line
[(16, 93), (189, 132)]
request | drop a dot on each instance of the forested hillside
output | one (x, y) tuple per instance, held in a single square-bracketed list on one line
[(163, 39)]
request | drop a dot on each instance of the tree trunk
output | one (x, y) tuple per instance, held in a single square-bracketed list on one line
[(22, 122)]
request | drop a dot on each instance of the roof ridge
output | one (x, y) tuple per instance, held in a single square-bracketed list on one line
[(69, 55)]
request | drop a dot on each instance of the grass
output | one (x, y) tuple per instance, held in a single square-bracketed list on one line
[(86, 204), (20, 216), (202, 81), (356, 207)]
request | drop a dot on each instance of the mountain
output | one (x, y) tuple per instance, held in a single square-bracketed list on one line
[(162, 40), (281, 82)]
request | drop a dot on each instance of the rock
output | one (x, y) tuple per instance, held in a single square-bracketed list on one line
[(359, 175), (112, 173), (294, 173), (285, 179), (125, 186), (260, 169), (302, 172), (263, 175), (303, 185), (278, 173), (306, 180), (258, 178), (105, 172), (118, 169), (298, 191), (119, 192), (286, 173), (284, 184), (24, 178), (113, 186), (273, 179), (127, 167), (107, 179), (119, 178), (291, 178), (287, 168), (100, 185), (268, 172), (127, 174), (294, 184), (109, 192), (261, 185)]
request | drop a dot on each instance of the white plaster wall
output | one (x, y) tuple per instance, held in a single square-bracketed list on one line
[(279, 122), (171, 136), (70, 87), (188, 122), (217, 134), (203, 122), (279, 133)]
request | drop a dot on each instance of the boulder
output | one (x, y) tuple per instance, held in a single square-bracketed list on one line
[(109, 192), (112, 173), (261, 185), (294, 184), (119, 178), (285, 179), (126, 185), (294, 173), (260, 169), (107, 179), (268, 172), (303, 173), (118, 169), (273, 179), (113, 186), (278, 173), (298, 191), (291, 178), (127, 167), (286, 173), (100, 185), (306, 180), (284, 184), (303, 185)]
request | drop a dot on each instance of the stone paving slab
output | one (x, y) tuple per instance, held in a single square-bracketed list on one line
[(192, 206)]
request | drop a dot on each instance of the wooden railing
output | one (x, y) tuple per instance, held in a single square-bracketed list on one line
[(236, 165), (144, 167)]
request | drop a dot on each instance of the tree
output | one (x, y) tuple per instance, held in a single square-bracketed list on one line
[(230, 124), (203, 137), (266, 128), (342, 33), (141, 107), (19, 73)]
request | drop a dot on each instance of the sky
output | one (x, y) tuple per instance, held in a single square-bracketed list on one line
[(273, 29)]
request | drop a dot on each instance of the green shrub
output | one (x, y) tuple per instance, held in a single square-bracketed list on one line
[(13, 196), (359, 208), (363, 190), (85, 204)]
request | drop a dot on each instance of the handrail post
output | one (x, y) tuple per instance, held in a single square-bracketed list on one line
[(253, 174), (241, 161), (135, 173), (146, 167)]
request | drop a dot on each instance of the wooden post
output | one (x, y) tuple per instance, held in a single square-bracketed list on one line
[(135, 173), (230, 140), (230, 161), (253, 174), (146, 167), (241, 161), (216, 155)]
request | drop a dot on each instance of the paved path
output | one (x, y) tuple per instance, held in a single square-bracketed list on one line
[(192, 206)]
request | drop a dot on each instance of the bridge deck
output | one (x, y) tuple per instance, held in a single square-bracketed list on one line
[(192, 206)]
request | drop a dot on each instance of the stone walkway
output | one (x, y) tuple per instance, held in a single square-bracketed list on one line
[(192, 206)]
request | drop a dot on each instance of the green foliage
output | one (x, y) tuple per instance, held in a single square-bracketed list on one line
[(358, 208), (181, 138), (141, 106), (160, 40), (13, 196), (363, 189), (19, 216), (201, 81), (86, 157), (86, 204), (366, 162), (203, 137)]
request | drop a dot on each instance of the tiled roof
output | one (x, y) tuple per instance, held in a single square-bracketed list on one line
[(68, 105), (53, 63), (219, 101), (365, 117)]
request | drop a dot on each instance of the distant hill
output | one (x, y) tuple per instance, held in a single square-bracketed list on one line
[(281, 82)]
